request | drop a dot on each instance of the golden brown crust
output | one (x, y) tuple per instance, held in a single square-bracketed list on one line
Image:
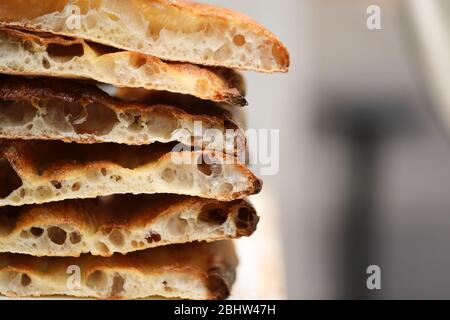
[(182, 16), (75, 58), (122, 224), (51, 171), (127, 117), (211, 266)]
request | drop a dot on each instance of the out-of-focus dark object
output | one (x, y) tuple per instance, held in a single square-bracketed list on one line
[(364, 125)]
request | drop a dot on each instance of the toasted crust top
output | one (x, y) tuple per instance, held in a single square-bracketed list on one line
[(183, 15)]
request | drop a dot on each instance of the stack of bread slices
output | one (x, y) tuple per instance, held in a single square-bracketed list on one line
[(107, 187)]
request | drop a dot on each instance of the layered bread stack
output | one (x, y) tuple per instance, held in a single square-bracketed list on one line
[(122, 197)]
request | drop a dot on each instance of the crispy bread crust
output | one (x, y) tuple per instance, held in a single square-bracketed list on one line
[(215, 84), (131, 119), (183, 15), (51, 171), (121, 224), (207, 270)]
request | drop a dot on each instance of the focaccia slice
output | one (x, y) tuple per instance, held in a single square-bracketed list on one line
[(189, 271), (56, 109), (121, 224), (35, 172), (169, 29), (31, 54)]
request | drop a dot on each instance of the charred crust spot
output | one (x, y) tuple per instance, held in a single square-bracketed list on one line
[(216, 284), (238, 100), (241, 225), (245, 214), (246, 221), (258, 184)]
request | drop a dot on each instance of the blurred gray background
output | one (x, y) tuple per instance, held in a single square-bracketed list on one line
[(365, 156)]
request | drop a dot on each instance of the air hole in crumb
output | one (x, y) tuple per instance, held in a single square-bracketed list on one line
[(137, 61), (116, 178), (106, 230), (56, 184), (97, 280), (43, 192), (166, 286), (239, 40), (116, 238), (100, 120), (63, 53), (76, 186), (153, 237), (102, 248), (226, 188), (37, 232), (57, 235), (25, 280), (213, 215), (205, 169), (208, 166), (117, 287), (45, 63), (16, 112), (168, 175), (24, 234), (103, 171), (177, 226), (75, 237), (162, 124)]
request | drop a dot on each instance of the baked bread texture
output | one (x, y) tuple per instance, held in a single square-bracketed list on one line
[(36, 172), (121, 224), (56, 109), (24, 53), (169, 29), (188, 271)]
